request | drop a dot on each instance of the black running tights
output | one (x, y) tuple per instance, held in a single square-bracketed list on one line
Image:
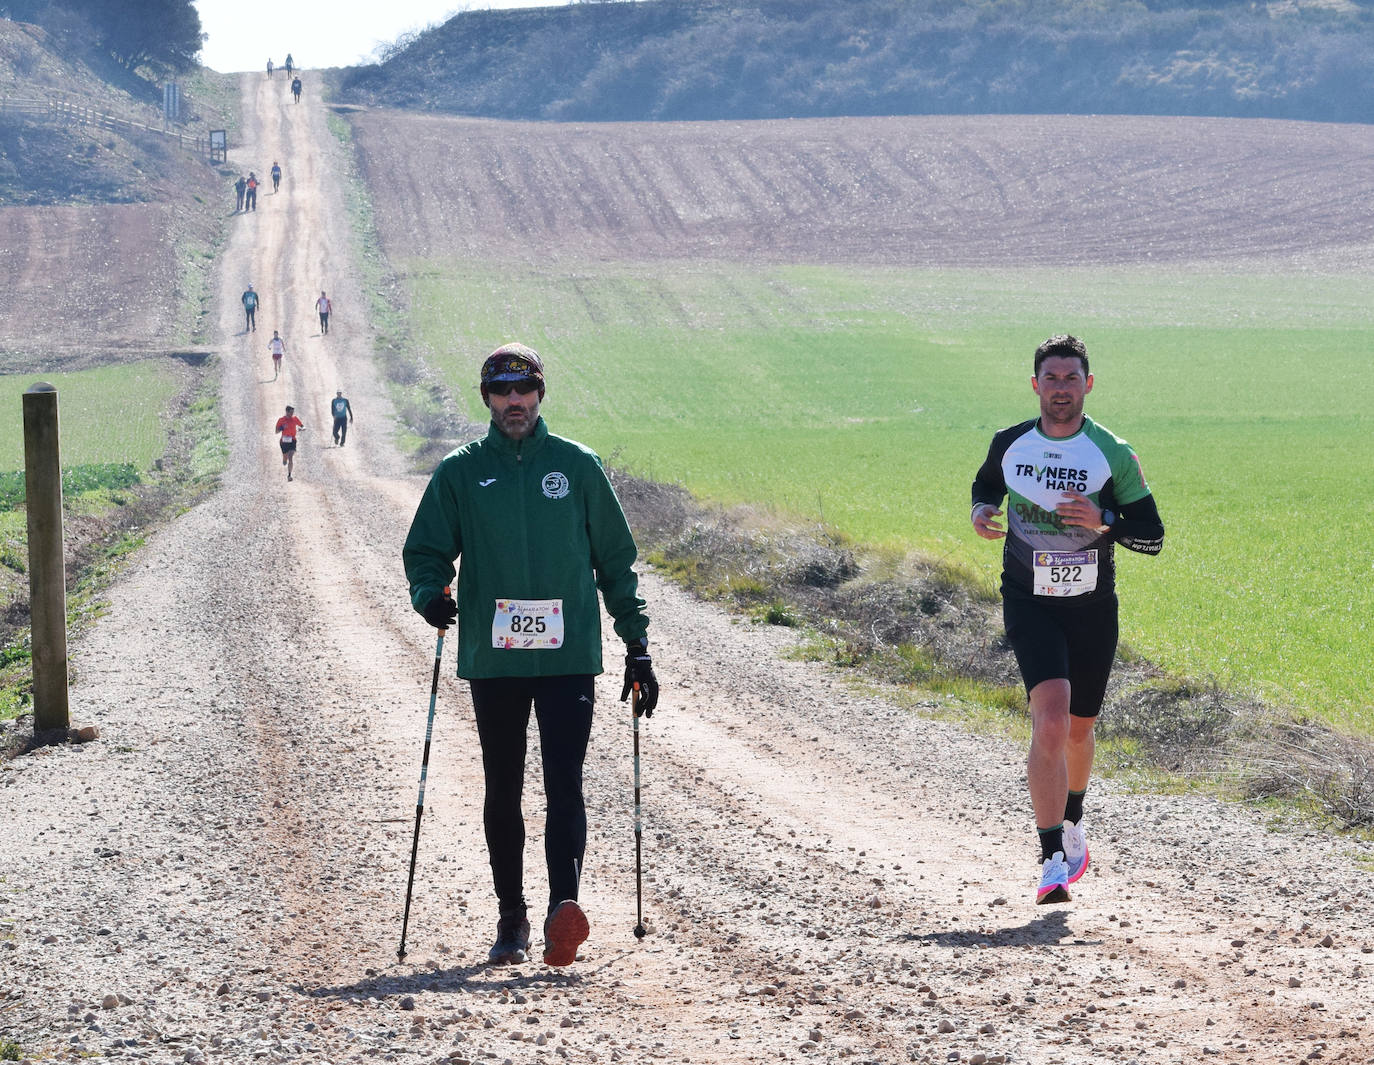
[(563, 709)]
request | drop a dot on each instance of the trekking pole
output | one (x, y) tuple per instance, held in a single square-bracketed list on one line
[(639, 829), (420, 803)]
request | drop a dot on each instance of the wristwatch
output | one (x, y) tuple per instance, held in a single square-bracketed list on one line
[(1108, 520)]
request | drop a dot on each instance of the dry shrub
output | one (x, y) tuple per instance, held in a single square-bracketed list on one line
[(821, 565), (814, 576), (1182, 726), (924, 608), (1303, 760), (657, 512)]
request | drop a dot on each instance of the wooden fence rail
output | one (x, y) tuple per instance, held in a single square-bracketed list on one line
[(69, 113)]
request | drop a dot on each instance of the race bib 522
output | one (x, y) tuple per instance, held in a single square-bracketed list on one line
[(1065, 573)]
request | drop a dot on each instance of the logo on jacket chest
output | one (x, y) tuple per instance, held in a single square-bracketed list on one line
[(555, 485), (1054, 477)]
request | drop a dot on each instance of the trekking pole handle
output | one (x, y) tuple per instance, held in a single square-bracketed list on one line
[(448, 591)]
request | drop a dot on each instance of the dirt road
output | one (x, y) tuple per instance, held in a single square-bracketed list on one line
[(219, 877)]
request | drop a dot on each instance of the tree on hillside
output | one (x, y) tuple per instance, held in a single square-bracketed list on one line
[(159, 33)]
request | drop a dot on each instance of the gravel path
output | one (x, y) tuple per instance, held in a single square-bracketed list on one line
[(828, 878)]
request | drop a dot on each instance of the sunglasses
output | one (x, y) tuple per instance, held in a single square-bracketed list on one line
[(503, 388)]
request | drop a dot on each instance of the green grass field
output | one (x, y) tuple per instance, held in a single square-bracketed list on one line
[(867, 398), (110, 414)]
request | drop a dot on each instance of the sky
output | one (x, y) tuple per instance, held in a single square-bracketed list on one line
[(243, 34)]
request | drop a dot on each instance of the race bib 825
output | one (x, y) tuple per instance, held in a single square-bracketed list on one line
[(527, 624)]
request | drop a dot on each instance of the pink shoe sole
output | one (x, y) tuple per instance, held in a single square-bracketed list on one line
[(1074, 877)]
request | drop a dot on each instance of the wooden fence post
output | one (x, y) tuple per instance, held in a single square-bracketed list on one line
[(47, 569)]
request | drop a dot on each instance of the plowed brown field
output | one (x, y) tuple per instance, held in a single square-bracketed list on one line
[(983, 191)]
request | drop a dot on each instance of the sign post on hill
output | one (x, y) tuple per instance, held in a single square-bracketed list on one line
[(47, 570)]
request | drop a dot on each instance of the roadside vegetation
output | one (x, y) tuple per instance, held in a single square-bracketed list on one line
[(161, 418), (424, 404)]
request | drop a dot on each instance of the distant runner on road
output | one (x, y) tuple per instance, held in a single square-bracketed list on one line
[(276, 176), (289, 64), (324, 307), (1073, 490), (277, 347), (251, 200), (539, 530), (269, 68), (296, 89), (250, 310), (240, 187), (288, 425), (343, 414)]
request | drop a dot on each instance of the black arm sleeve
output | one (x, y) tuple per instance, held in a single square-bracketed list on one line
[(989, 485), (1138, 527)]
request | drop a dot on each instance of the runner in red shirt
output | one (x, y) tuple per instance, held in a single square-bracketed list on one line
[(288, 425)]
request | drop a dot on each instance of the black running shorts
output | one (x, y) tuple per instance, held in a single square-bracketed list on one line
[(1054, 640), (288, 446)]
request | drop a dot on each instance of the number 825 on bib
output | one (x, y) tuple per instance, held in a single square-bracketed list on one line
[(527, 624)]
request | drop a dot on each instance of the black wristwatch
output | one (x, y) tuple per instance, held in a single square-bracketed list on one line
[(1108, 520)]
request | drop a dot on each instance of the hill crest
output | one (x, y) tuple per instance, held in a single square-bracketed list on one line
[(742, 59)]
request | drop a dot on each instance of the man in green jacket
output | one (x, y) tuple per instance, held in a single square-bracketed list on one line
[(539, 530)]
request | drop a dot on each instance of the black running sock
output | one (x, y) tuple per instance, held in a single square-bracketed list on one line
[(1051, 841), (1073, 809)]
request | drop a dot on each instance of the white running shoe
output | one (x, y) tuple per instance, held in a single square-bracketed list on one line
[(1075, 849), (1054, 880)]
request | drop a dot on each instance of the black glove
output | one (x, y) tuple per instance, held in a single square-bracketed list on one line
[(441, 611), (639, 669)]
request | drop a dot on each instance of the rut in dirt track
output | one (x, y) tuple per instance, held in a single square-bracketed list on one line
[(828, 878)]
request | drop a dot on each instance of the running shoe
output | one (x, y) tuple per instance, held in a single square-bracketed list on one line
[(512, 940), (564, 931), (1075, 849), (1054, 881)]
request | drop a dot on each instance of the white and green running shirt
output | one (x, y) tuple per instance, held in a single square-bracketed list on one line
[(1042, 556)]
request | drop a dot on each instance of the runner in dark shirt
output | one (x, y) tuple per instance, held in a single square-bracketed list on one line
[(1073, 491)]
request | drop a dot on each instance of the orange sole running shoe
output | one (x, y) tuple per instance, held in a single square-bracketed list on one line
[(564, 931)]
